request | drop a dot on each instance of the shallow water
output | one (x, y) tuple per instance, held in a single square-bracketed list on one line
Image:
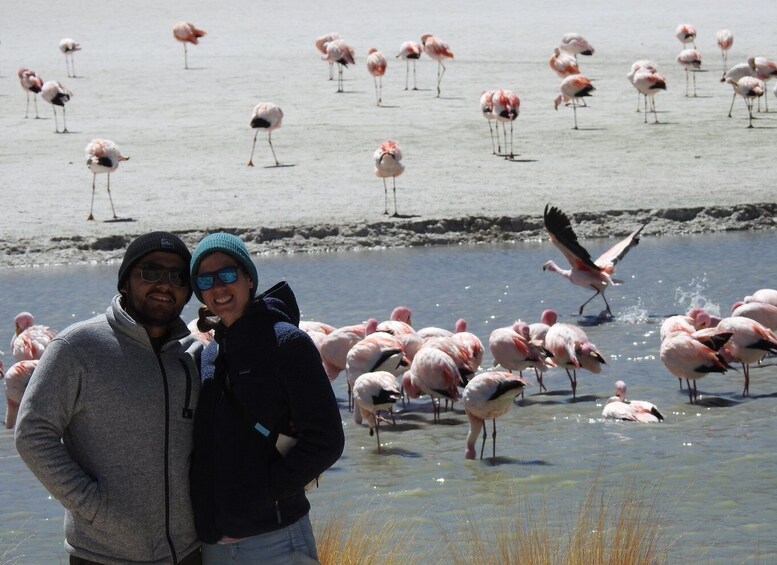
[(709, 469)]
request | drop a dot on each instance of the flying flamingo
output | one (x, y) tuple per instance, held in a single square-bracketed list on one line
[(437, 50), (388, 163), (488, 396), (692, 356), (738, 71), (187, 33), (563, 64), (571, 349), (573, 88), (619, 408), (16, 380), (30, 82), (506, 106), (57, 95), (373, 392), (338, 51), (725, 41), (30, 339), (648, 83), (686, 33), (266, 116), (487, 110), (575, 43), (68, 48), (637, 65), (584, 272), (750, 88), (102, 156), (749, 344), (691, 62), (321, 46), (410, 51), (376, 66)]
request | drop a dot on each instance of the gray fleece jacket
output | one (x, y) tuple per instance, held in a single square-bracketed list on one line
[(106, 425)]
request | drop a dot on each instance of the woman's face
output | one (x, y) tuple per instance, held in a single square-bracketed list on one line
[(227, 301)]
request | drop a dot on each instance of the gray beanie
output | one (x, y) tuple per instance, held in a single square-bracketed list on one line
[(226, 243), (148, 243)]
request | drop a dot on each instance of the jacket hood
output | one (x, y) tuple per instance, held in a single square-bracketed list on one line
[(280, 301)]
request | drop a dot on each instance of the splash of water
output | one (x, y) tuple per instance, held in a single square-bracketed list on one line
[(693, 296)]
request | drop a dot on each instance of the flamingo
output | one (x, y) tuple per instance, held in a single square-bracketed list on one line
[(725, 40), (618, 408), (437, 50), (376, 66), (575, 44), (466, 363), (487, 110), (765, 295), (16, 380), (506, 106), (637, 65), (692, 356), (573, 88), (410, 51), (336, 345), (691, 62), (430, 332), (68, 48), (373, 392), (321, 42), (266, 116), (563, 64), (749, 344), (738, 71), (513, 350), (537, 333), (102, 156), (187, 33), (57, 95), (311, 326), (388, 163), (338, 51), (765, 69), (488, 396), (686, 33), (474, 347), (750, 88), (378, 351), (649, 83), (570, 348), (30, 339), (31, 83), (585, 272), (765, 314), (432, 372)]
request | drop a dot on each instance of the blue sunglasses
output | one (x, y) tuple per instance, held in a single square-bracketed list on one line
[(227, 275)]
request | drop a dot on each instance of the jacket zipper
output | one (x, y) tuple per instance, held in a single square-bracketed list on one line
[(167, 459), (278, 512)]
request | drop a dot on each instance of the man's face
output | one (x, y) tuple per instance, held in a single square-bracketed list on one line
[(155, 305)]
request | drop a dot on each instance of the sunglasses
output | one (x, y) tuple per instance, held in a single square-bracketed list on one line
[(152, 273), (227, 275)]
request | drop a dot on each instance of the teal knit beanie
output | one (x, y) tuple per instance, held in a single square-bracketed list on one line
[(226, 243)]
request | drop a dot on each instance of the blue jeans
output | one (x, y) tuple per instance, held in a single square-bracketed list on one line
[(291, 545)]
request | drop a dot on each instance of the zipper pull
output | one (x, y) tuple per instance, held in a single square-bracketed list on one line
[(278, 512)]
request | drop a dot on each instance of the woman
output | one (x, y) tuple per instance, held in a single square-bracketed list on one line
[(267, 421)]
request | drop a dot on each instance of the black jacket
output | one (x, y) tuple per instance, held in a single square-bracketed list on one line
[(267, 379)]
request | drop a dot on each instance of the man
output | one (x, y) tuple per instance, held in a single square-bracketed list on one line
[(106, 421)]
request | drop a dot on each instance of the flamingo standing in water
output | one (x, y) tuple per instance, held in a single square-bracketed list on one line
[(686, 33), (57, 95), (571, 349), (68, 48), (738, 71), (506, 106), (435, 373), (388, 163), (486, 397), (584, 272), (690, 60), (338, 51), (321, 42), (31, 83), (636, 66), (765, 69), (725, 40), (187, 33), (15, 383), (750, 88), (649, 83), (487, 110), (749, 344), (765, 295), (563, 64), (437, 50), (266, 116), (410, 51), (573, 88), (102, 156), (575, 44), (692, 356), (30, 339), (374, 392), (376, 66), (619, 408)]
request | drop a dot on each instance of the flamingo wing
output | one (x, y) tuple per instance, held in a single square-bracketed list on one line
[(563, 236), (619, 250)]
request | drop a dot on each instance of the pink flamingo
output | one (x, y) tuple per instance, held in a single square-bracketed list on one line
[(725, 40), (637, 65), (374, 392), (432, 331), (749, 344), (649, 83), (487, 396), (686, 33), (574, 88), (31, 83), (338, 51), (437, 50), (575, 43), (16, 380), (738, 71), (310, 326), (376, 66), (410, 51), (750, 88), (619, 408), (487, 110), (388, 163), (435, 373), (765, 69), (513, 350), (103, 156), (321, 42), (693, 356), (336, 345), (506, 107), (466, 363), (563, 64), (765, 295), (266, 116), (187, 33), (690, 60), (378, 351), (57, 95), (571, 349), (30, 339), (585, 272), (765, 314), (68, 48)]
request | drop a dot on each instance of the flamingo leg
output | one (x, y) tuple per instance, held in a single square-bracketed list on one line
[(746, 371), (185, 57), (35, 99), (483, 444), (653, 106), (732, 104), (64, 120), (491, 131), (396, 214), (385, 197), (269, 140), (574, 110), (111, 198), (694, 84), (73, 64), (573, 381), (27, 108), (377, 93), (493, 439), (91, 206), (646, 109), (638, 95), (749, 104), (583, 305), (251, 159), (331, 70), (377, 432), (407, 72), (440, 72), (414, 83), (56, 124), (512, 154), (686, 83)]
